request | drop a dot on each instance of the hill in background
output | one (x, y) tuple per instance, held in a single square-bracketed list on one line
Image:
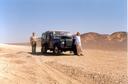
[(114, 41)]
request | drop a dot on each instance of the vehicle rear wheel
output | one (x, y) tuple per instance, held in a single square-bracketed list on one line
[(44, 49)]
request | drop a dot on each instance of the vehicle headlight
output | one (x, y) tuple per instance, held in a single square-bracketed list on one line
[(62, 42)]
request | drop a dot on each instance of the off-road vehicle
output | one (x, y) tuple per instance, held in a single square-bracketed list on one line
[(56, 41)]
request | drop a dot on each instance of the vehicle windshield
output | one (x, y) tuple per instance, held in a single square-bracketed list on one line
[(61, 33)]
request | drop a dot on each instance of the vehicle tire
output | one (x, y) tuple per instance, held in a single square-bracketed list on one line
[(44, 49), (56, 50)]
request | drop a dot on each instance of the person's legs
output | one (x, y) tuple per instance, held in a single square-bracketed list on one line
[(32, 49), (81, 50), (78, 50), (35, 48), (75, 50)]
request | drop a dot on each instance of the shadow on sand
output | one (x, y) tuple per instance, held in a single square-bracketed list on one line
[(51, 54)]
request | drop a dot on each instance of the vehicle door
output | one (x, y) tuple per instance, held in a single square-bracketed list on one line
[(43, 38), (50, 40)]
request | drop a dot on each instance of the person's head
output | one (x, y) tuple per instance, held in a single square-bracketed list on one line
[(33, 33), (78, 33)]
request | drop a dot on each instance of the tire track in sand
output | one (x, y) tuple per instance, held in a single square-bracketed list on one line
[(56, 76)]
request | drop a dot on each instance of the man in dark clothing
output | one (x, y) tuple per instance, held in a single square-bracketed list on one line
[(74, 46)]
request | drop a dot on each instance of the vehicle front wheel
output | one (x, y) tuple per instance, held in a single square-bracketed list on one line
[(56, 50)]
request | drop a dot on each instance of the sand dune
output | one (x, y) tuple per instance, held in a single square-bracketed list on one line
[(19, 66)]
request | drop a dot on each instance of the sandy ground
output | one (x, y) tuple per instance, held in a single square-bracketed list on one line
[(19, 66)]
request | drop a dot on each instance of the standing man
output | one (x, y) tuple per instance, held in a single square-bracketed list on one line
[(78, 44), (33, 41)]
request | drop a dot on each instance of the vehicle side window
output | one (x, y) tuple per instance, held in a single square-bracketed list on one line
[(47, 36), (50, 36), (43, 36)]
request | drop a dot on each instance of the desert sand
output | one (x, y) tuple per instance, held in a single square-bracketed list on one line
[(19, 66)]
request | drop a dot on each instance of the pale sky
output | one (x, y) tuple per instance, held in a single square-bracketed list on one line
[(19, 18)]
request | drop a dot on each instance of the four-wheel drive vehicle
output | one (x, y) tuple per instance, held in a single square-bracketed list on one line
[(56, 41)]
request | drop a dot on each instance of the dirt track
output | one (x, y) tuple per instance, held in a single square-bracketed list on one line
[(18, 66)]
